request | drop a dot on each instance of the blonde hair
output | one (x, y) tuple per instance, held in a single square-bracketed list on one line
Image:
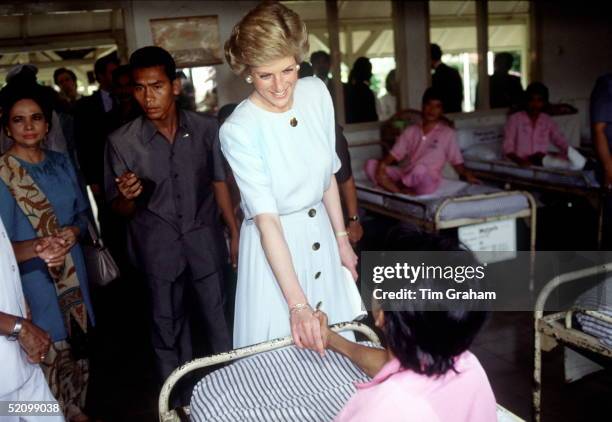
[(268, 32)]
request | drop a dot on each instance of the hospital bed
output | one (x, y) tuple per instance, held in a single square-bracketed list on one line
[(480, 136), (274, 381), (559, 328), (455, 204)]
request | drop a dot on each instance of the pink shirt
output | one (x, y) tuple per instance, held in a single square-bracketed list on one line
[(524, 139), (433, 150), (397, 395)]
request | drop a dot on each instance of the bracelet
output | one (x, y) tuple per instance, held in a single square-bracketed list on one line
[(354, 218), (298, 307), (14, 336), (341, 234)]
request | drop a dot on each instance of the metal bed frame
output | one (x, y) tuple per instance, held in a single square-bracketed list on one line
[(595, 195), (437, 224), (169, 415), (556, 328)]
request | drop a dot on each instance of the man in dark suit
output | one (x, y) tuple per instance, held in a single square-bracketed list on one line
[(505, 90), (92, 125), (446, 81)]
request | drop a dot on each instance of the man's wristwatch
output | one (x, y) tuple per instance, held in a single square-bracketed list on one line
[(353, 218), (16, 329)]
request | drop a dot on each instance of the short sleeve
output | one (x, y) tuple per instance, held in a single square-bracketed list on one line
[(332, 130), (402, 145), (8, 211), (247, 164), (601, 101), (114, 166), (453, 153)]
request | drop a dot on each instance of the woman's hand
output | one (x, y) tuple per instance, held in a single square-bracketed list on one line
[(52, 250), (70, 235), (347, 256), (306, 331)]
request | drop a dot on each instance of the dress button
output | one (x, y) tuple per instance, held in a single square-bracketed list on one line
[(316, 246), (312, 212), (318, 274)]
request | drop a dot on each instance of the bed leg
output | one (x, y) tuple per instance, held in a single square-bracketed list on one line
[(537, 374)]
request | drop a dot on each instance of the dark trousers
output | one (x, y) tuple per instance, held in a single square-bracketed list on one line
[(170, 330)]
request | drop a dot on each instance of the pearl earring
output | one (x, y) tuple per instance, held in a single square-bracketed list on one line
[(249, 79), (297, 67)]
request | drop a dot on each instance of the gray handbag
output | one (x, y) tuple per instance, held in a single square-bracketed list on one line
[(101, 267)]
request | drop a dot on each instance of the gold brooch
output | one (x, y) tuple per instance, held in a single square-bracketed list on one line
[(293, 122)]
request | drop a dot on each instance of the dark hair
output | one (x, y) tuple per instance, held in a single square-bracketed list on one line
[(536, 88), (361, 71), (319, 55), (305, 70), (13, 93), (428, 341), (61, 70), (152, 56), (504, 61), (225, 111), (435, 52), (432, 94), (122, 70), (102, 62)]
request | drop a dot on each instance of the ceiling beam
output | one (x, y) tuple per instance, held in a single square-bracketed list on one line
[(46, 65), (57, 42), (369, 42), (45, 7)]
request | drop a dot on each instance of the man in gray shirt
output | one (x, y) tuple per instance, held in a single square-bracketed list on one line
[(164, 171)]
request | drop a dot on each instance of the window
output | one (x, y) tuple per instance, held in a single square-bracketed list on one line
[(453, 27), (365, 29)]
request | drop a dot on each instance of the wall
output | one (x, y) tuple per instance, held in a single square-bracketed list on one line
[(576, 48), (138, 32)]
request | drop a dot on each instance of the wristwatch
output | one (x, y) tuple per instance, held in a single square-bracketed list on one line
[(353, 218), (16, 329)]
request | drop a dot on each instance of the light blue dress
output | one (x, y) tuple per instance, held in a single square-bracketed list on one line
[(56, 177), (285, 169)]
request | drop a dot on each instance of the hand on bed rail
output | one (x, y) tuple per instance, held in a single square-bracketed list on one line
[(306, 329)]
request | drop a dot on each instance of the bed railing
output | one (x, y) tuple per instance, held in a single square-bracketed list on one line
[(167, 415), (557, 327)]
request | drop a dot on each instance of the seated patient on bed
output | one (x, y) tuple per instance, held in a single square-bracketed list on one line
[(529, 133), (427, 147), (427, 372)]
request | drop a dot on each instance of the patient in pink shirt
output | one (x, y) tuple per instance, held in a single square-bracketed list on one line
[(425, 148), (529, 133), (427, 373)]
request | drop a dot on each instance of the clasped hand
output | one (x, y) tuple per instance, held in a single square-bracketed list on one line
[(53, 249)]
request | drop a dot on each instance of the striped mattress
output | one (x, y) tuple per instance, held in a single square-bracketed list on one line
[(288, 384)]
